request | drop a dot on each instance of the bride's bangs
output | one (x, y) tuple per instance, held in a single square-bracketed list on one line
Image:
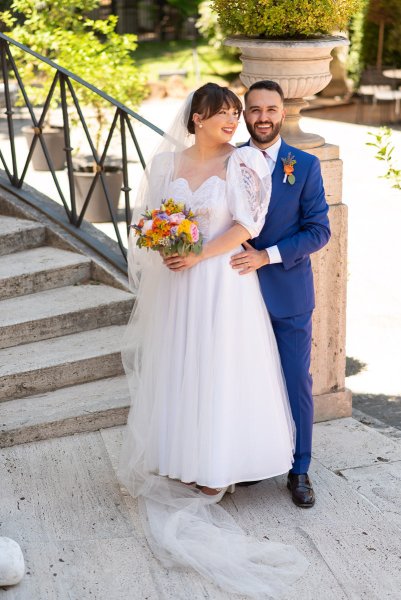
[(215, 98), (232, 101), (225, 99)]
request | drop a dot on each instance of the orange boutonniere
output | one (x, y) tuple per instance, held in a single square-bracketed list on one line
[(288, 164)]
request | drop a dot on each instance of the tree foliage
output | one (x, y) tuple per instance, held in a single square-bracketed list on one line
[(388, 12), (61, 31), (355, 33), (188, 7), (210, 28)]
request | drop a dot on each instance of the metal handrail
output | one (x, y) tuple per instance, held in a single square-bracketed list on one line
[(123, 115)]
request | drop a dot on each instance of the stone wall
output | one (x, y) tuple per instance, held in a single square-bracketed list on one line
[(332, 399)]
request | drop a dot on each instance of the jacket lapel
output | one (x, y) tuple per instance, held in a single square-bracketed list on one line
[(282, 153), (278, 188)]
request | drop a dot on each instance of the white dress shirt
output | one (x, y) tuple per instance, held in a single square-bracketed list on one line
[(271, 156)]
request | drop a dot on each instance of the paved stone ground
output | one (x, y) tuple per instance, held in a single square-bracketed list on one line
[(82, 539)]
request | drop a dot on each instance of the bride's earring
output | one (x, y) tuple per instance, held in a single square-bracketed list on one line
[(200, 125)]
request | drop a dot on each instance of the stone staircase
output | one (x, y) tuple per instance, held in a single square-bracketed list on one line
[(60, 338)]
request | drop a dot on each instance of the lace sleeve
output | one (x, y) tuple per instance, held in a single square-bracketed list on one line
[(248, 188)]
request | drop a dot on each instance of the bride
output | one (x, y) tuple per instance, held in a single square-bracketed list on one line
[(209, 403)]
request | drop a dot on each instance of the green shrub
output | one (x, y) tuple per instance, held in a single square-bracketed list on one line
[(284, 18), (384, 151)]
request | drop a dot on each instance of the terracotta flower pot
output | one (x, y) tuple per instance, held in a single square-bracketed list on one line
[(98, 210), (54, 140), (301, 67)]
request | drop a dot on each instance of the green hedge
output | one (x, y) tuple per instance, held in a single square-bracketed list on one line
[(284, 18)]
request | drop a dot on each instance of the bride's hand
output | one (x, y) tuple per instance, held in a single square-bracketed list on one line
[(176, 262)]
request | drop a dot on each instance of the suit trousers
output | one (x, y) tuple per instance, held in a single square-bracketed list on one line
[(294, 340)]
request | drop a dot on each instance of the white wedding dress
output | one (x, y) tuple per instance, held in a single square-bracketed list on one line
[(209, 400)]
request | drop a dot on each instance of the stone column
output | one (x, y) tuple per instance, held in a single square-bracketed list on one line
[(332, 399)]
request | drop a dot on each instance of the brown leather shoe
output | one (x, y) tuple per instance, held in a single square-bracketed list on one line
[(301, 489)]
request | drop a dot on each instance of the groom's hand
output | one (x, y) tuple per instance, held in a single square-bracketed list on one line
[(249, 260)]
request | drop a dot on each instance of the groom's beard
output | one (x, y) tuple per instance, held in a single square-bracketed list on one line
[(264, 138)]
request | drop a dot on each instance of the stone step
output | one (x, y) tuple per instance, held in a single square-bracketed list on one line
[(43, 268), (76, 409), (19, 234), (62, 311), (64, 361)]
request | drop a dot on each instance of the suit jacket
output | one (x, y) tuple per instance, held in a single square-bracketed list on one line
[(297, 222)]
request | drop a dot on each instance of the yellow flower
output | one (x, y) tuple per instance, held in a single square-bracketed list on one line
[(184, 227)]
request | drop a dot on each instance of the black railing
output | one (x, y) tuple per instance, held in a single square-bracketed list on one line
[(122, 121)]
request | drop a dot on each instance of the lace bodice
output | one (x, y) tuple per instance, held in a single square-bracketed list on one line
[(242, 197), (208, 202)]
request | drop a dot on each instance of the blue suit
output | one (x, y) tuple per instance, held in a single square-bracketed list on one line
[(298, 224)]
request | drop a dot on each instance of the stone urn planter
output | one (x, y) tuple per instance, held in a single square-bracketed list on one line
[(54, 140), (301, 67), (98, 210)]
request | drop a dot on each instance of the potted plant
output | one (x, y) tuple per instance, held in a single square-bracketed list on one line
[(93, 50), (288, 41), (101, 57), (33, 24)]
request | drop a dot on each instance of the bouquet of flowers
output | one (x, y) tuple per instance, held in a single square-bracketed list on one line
[(170, 229)]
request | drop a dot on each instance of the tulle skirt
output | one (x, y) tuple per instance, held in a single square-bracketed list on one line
[(209, 405), (210, 383)]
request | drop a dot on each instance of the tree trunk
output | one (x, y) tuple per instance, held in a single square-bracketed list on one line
[(379, 59)]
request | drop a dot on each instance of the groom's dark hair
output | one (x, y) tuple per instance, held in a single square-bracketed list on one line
[(266, 84), (209, 99)]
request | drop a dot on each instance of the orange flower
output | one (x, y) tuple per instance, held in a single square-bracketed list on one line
[(288, 168)]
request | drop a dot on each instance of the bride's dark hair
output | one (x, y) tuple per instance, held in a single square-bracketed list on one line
[(209, 99)]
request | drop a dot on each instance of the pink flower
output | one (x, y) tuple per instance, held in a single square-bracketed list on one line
[(194, 231), (176, 218), (147, 225)]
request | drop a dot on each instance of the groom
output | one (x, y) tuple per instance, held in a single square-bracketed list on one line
[(296, 225)]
